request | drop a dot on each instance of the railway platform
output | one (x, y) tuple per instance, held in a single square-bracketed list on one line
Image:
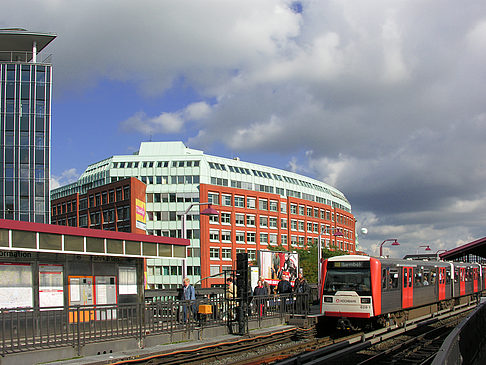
[(87, 334), (160, 351)]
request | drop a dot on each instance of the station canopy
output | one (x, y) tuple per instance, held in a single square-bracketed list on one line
[(469, 252)]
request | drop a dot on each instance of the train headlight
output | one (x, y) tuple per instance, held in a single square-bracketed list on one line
[(365, 300), (328, 299)]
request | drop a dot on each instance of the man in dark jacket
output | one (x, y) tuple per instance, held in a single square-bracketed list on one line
[(284, 286), (301, 285), (302, 289)]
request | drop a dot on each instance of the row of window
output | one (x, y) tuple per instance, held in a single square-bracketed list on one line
[(249, 237), (273, 205), (149, 164), (172, 198), (273, 176)]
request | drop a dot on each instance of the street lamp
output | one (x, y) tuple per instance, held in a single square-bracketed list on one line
[(208, 211), (395, 243), (437, 254), (427, 248)]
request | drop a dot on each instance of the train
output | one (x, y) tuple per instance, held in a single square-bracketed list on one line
[(369, 292)]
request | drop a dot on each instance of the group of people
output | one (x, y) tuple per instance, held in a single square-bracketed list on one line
[(188, 292), (283, 287)]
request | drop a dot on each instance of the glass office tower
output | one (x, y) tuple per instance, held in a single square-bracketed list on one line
[(25, 121)]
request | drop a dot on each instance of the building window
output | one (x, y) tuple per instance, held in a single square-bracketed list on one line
[(226, 236), (273, 206), (240, 237), (250, 220), (214, 253), (214, 219), (250, 237), (225, 218), (301, 226), (226, 253), (263, 221), (316, 212), (309, 211), (283, 207), (226, 200), (283, 223), (214, 270), (239, 202), (272, 239), (251, 255), (263, 238), (213, 198), (309, 226), (293, 209), (301, 210), (315, 228), (283, 239), (293, 225), (262, 204), (240, 219), (214, 235), (250, 203), (272, 222)]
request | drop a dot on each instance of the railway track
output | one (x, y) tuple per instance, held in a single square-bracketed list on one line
[(415, 343)]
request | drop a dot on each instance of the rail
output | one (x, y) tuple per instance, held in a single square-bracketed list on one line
[(26, 329)]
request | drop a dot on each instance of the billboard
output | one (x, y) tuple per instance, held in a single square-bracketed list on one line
[(274, 264), (140, 217)]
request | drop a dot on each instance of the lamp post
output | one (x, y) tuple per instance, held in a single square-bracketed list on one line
[(395, 243), (437, 253), (208, 211), (427, 248), (337, 232)]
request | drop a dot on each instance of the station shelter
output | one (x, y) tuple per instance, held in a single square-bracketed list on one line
[(43, 265), (474, 251)]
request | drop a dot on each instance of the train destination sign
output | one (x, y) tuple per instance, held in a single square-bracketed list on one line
[(349, 264)]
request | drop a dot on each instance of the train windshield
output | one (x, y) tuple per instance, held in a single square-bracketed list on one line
[(348, 276)]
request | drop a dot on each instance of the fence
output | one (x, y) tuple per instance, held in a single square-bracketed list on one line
[(25, 329)]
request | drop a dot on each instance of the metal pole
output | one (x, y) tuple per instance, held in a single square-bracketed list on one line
[(319, 257)]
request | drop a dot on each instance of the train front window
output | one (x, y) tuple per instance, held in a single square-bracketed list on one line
[(348, 276)]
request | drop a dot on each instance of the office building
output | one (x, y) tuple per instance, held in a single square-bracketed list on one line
[(259, 207), (25, 122), (117, 206)]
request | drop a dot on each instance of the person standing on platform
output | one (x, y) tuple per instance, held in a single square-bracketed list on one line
[(284, 286), (259, 291), (231, 291), (265, 285), (301, 289), (188, 295)]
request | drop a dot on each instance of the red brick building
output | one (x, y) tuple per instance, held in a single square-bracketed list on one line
[(250, 221), (110, 207)]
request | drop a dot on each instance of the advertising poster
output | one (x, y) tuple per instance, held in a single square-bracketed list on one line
[(273, 265), (51, 286), (140, 217)]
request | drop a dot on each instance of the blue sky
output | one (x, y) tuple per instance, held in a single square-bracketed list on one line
[(382, 99)]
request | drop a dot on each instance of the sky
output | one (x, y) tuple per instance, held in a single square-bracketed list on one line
[(385, 100)]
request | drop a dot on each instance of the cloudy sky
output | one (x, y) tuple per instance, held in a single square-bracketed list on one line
[(386, 100)]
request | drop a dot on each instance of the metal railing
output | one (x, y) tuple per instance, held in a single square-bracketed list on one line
[(26, 329)]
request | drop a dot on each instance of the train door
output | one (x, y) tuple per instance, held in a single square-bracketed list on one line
[(442, 283), (407, 287), (475, 280), (462, 281)]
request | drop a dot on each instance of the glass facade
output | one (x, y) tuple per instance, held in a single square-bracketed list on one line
[(25, 119)]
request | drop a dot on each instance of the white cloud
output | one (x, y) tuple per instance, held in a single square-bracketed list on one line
[(66, 177), (388, 96)]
